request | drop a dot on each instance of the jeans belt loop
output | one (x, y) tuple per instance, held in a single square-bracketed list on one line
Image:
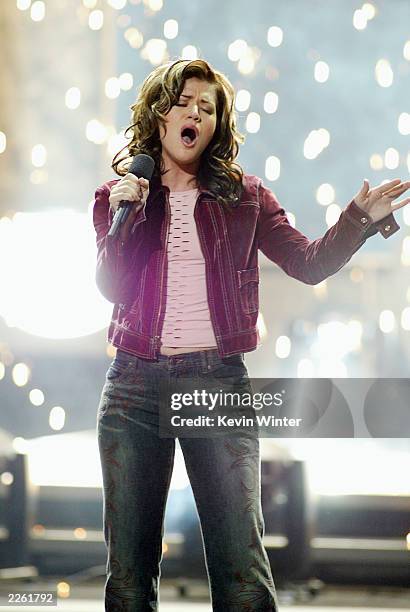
[(205, 361)]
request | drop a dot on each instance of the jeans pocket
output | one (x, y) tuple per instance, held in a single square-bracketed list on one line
[(116, 370), (124, 390), (120, 365), (228, 368)]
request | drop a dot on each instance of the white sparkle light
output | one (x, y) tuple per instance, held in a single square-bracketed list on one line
[(332, 214), (189, 52), (96, 20), (126, 81), (56, 418), (112, 88), (253, 122), (359, 19), (36, 397), (270, 102), (387, 321), (117, 4), (73, 98), (23, 5), (242, 100), (171, 29), (391, 158), (403, 124), (20, 374), (38, 155), (322, 71), (383, 73), (154, 51), (282, 347), (275, 36), (3, 142), (237, 49), (95, 131), (325, 194), (38, 11), (272, 168)]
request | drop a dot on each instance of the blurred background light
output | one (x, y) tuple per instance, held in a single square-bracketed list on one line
[(270, 102), (384, 73), (387, 321), (154, 51), (272, 168), (322, 72), (325, 194), (20, 374), (237, 49), (36, 397), (112, 88), (96, 20), (38, 155), (242, 99), (333, 212), (189, 52), (171, 29), (23, 5), (253, 122), (57, 418), (38, 10), (51, 275), (73, 98), (283, 346), (275, 36)]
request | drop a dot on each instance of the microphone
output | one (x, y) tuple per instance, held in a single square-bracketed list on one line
[(142, 166)]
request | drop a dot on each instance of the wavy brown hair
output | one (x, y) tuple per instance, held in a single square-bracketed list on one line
[(218, 171)]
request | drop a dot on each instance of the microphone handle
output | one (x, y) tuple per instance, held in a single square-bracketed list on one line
[(121, 215)]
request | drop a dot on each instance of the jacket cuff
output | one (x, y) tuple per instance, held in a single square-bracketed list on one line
[(360, 218), (387, 226)]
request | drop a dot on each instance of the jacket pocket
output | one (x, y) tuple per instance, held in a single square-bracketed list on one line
[(248, 281)]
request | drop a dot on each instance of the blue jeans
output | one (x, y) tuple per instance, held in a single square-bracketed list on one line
[(137, 464)]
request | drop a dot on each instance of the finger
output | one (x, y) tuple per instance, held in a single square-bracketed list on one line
[(144, 184), (396, 188), (126, 193), (130, 177), (393, 194), (365, 187), (400, 204), (381, 189)]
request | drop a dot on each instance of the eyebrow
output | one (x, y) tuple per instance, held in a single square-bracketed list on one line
[(202, 100)]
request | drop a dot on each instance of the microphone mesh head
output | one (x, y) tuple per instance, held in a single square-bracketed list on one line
[(142, 166)]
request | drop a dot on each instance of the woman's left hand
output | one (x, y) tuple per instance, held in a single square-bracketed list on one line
[(377, 202)]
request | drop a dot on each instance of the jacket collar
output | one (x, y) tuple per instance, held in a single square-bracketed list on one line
[(157, 187)]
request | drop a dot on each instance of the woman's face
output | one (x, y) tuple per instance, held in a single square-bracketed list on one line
[(190, 125)]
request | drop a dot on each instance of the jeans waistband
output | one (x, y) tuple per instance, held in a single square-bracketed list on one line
[(205, 358)]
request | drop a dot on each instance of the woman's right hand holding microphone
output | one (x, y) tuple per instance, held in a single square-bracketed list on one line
[(132, 189)]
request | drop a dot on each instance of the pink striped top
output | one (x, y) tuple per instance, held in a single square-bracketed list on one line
[(187, 321)]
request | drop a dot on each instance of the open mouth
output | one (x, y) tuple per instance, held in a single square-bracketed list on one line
[(189, 137)]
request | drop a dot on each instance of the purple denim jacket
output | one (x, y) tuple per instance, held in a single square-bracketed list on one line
[(133, 274)]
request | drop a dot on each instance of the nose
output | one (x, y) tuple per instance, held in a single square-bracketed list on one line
[(194, 113)]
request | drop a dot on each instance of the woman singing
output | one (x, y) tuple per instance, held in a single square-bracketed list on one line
[(183, 277)]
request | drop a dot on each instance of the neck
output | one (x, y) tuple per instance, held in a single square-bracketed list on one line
[(179, 179)]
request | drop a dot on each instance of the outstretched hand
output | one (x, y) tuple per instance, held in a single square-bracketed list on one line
[(377, 202)]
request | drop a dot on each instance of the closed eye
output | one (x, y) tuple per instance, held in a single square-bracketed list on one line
[(207, 111)]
